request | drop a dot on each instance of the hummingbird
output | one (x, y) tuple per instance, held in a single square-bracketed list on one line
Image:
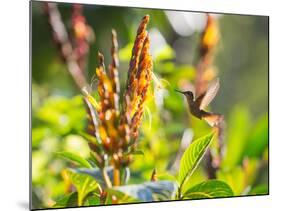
[(197, 105)]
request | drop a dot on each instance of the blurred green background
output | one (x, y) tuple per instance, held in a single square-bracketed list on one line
[(58, 113)]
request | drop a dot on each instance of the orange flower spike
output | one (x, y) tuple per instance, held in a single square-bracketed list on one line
[(113, 72), (136, 122), (138, 45), (100, 85), (104, 137), (104, 86), (144, 74), (125, 122), (140, 72), (115, 63), (100, 71), (110, 118), (144, 77)]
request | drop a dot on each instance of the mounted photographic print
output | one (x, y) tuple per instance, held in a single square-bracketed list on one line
[(134, 105)]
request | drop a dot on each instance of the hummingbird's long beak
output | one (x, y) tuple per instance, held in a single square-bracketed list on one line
[(179, 91)]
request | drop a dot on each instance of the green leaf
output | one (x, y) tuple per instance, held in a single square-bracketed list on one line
[(147, 192), (93, 160), (258, 140), (93, 199), (238, 125), (75, 158), (69, 200), (209, 189), (235, 178), (166, 176), (89, 138), (121, 196), (84, 184), (259, 190), (138, 152), (192, 157), (61, 114), (250, 170), (38, 134)]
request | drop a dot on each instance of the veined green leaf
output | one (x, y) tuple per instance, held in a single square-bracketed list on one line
[(192, 157), (209, 189), (92, 199), (84, 184), (75, 158)]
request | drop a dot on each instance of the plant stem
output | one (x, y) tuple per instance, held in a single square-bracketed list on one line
[(103, 196), (179, 195), (80, 200), (211, 170), (61, 37), (106, 178), (116, 176)]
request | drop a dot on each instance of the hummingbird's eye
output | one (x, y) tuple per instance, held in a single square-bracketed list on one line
[(189, 94)]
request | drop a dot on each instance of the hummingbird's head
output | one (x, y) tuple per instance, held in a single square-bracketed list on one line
[(189, 94)]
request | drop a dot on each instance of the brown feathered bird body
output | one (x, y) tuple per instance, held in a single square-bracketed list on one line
[(198, 104)]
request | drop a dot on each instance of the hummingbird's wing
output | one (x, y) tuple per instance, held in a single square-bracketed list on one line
[(209, 95), (199, 99)]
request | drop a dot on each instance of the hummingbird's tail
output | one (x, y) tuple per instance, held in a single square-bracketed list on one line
[(213, 119)]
